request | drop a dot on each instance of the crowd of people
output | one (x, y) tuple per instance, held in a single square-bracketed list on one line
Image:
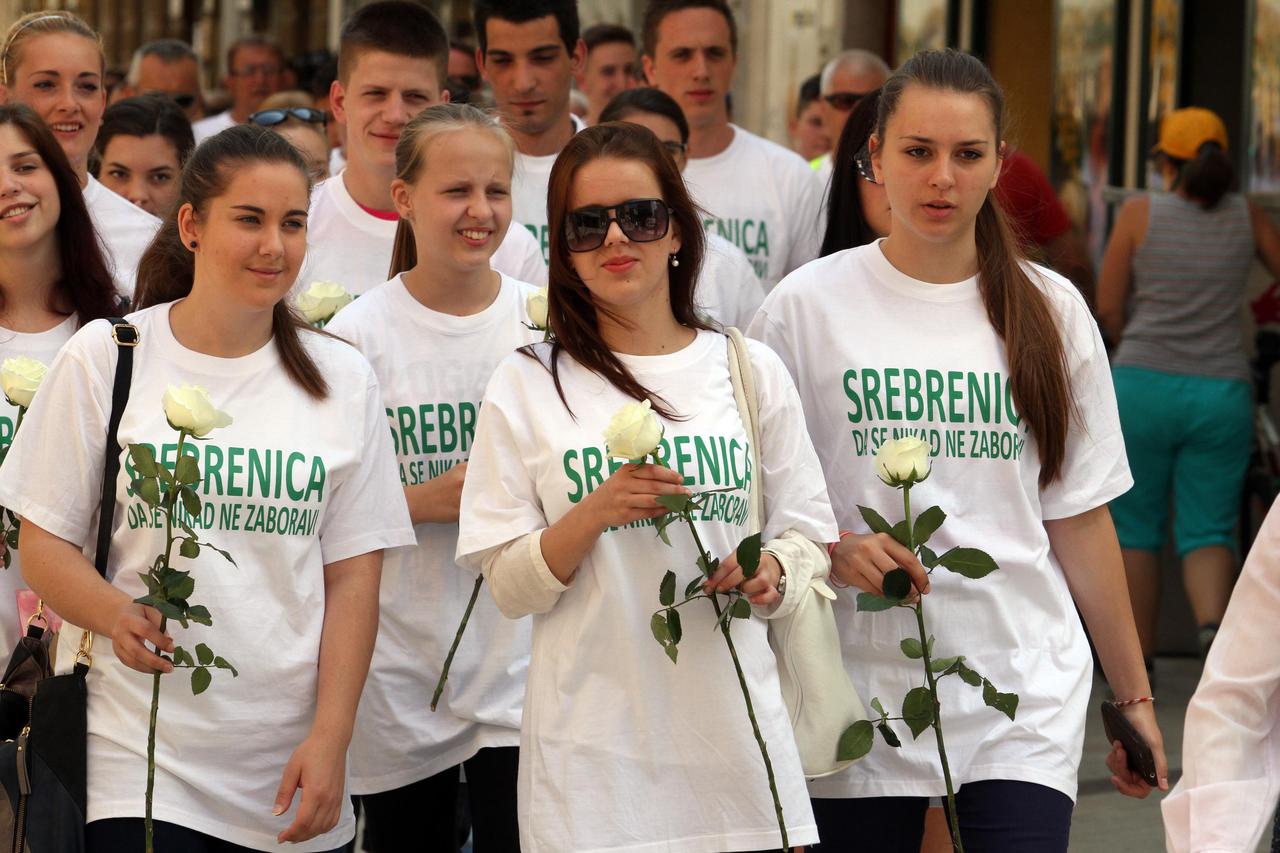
[(904, 272)]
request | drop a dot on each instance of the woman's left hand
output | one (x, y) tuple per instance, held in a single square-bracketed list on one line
[(1143, 718), (318, 767), (761, 589)]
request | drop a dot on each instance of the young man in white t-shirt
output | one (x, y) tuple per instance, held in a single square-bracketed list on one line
[(255, 69), (391, 65), (609, 67), (760, 196), (529, 53)]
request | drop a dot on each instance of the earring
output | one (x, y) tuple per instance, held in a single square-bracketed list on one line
[(675, 262), (192, 244)]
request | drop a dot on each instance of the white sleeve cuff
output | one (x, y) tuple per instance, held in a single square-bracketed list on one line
[(519, 578), (803, 561)]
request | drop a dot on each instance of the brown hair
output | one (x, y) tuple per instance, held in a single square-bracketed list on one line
[(1019, 311), (397, 27), (86, 287), (167, 269), (411, 159), (571, 313), (659, 9), (37, 24)]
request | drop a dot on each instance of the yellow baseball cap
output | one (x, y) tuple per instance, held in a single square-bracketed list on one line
[(1183, 131)]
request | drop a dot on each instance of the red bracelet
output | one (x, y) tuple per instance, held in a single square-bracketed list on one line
[(831, 546), (1122, 703)]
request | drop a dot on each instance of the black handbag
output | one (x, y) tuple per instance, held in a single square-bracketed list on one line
[(43, 766)]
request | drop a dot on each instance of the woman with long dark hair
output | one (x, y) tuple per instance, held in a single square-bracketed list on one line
[(300, 488), (943, 331), (621, 750), (857, 207), (142, 146)]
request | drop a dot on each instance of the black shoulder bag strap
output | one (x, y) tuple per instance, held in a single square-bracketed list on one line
[(126, 337)]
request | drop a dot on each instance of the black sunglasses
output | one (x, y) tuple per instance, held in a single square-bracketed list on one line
[(642, 220), (268, 118), (844, 101), (183, 99)]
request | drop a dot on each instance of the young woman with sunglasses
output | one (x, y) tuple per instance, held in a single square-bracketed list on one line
[(291, 115), (944, 331), (621, 750), (142, 145), (434, 334)]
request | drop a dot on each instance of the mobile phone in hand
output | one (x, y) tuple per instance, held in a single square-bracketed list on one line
[(1118, 728)]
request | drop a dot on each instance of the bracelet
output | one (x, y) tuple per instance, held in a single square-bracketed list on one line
[(1122, 703), (831, 546)]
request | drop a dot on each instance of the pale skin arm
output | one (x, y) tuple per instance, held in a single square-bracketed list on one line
[(1116, 275), (318, 765), (438, 499), (1089, 553)]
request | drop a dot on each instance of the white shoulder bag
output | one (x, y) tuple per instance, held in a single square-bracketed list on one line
[(819, 697)]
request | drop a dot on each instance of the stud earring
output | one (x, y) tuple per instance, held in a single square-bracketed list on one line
[(675, 262), (192, 244)]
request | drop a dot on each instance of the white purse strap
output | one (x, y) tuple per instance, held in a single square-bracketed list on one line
[(744, 393)]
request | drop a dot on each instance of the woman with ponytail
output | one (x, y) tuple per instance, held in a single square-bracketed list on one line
[(299, 488), (945, 332), (1170, 293)]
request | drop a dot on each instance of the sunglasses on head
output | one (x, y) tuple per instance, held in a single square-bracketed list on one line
[(267, 118), (844, 101), (642, 220), (863, 164)]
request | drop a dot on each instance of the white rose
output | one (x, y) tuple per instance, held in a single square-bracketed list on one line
[(536, 306), (319, 302), (903, 461), (633, 432), (20, 377), (189, 408)]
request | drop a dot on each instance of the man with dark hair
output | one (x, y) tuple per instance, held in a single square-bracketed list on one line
[(761, 196), (255, 68), (808, 136), (392, 61), (609, 66), (529, 53), (464, 74), (167, 67)]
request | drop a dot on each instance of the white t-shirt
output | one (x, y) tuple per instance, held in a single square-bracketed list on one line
[(42, 346), (125, 229), (529, 193), (762, 198), (876, 354), (432, 369), (727, 291), (621, 749), (211, 125), (352, 247), (293, 485)]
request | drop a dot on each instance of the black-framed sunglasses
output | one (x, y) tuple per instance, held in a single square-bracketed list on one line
[(185, 100), (642, 220), (844, 101), (268, 118)]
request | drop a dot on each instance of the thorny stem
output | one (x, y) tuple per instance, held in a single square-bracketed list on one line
[(457, 638)]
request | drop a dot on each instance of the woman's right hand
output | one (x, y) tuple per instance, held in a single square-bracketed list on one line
[(135, 626), (631, 493), (862, 561)]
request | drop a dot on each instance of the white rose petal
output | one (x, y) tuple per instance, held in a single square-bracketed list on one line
[(903, 461), (633, 432), (536, 307), (319, 302), (189, 408), (20, 377)]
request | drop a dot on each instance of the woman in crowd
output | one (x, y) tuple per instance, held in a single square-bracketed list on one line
[(857, 207), (142, 145), (998, 365), (53, 280), (1170, 293), (434, 334), (53, 63), (293, 115), (728, 290), (620, 749), (297, 613)]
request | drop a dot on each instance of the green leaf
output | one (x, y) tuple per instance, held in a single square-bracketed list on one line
[(667, 590), (169, 610), (190, 502), (675, 503), (673, 625), (189, 548), (749, 555), (889, 735), (928, 558), (204, 654), (658, 626), (672, 652), (1005, 703), (869, 602), (187, 471), (148, 488), (162, 473), (897, 584), (708, 569), (181, 588), (11, 541), (694, 587), (939, 664), (199, 614), (877, 707), (182, 657), (856, 741), (741, 608), (917, 710), (911, 648), (143, 459), (224, 554), (968, 676), (899, 532), (969, 562), (200, 680), (929, 645), (223, 663), (927, 523), (874, 520)]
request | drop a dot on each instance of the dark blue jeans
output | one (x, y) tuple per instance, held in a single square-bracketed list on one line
[(995, 816)]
